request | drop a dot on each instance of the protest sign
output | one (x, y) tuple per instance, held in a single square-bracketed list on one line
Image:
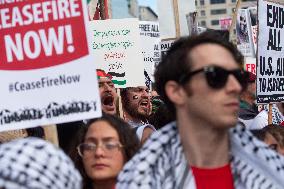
[(252, 12), (244, 40), (150, 35), (167, 17), (117, 50), (46, 73), (225, 23), (192, 23), (250, 64), (165, 46), (270, 65)]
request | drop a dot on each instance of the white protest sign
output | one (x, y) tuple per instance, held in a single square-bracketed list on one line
[(46, 73), (150, 35), (253, 22), (244, 40), (117, 50), (165, 46), (167, 18), (270, 65)]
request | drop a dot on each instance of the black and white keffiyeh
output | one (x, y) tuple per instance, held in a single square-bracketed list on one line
[(33, 163), (277, 117), (161, 163)]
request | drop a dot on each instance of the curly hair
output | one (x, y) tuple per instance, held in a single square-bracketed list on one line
[(127, 138)]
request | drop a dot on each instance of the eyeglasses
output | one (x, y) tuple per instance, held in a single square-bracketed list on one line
[(217, 77), (86, 149)]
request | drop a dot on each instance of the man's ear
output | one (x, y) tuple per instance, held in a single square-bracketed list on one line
[(175, 92)]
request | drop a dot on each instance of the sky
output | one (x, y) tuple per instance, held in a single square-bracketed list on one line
[(150, 3)]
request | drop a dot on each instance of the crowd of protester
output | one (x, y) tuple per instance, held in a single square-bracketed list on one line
[(198, 127)]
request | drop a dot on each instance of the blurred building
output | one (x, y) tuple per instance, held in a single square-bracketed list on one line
[(147, 14), (211, 11), (123, 9)]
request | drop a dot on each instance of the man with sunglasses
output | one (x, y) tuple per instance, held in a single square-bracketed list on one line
[(201, 80)]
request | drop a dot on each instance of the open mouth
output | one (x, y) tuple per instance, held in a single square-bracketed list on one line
[(108, 100), (144, 103)]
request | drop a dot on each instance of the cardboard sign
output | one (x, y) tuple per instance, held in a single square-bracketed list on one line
[(270, 65), (46, 73), (150, 35), (117, 50)]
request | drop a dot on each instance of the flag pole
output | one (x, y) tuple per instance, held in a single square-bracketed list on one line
[(176, 15), (270, 114)]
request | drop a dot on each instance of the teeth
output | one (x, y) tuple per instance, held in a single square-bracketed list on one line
[(144, 103)]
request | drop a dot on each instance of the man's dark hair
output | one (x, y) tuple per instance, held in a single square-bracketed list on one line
[(125, 101), (177, 62), (124, 96)]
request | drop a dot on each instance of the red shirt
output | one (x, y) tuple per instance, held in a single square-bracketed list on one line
[(220, 178)]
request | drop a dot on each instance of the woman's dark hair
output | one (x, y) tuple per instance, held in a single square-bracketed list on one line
[(127, 138), (259, 133), (277, 131)]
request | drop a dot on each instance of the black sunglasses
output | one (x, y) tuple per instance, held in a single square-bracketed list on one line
[(217, 77)]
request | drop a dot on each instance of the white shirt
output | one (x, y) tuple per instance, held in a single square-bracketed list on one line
[(260, 121)]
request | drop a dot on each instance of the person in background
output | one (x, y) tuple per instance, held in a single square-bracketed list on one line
[(267, 138), (136, 105), (201, 79), (160, 114), (261, 120), (109, 97), (32, 163), (107, 92), (248, 109), (7, 136), (104, 145), (277, 131)]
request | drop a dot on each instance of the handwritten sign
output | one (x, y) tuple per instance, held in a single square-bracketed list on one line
[(45, 66), (270, 66), (117, 49), (150, 35)]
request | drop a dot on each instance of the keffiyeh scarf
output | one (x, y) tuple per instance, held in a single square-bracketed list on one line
[(33, 163), (161, 163), (277, 117)]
